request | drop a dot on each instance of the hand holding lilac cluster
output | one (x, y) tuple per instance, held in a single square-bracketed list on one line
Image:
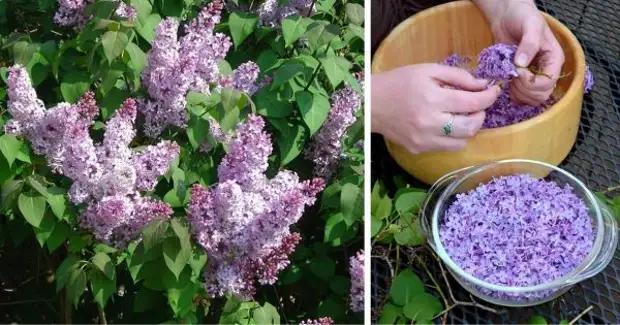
[(326, 147), (71, 13), (243, 221), (517, 231), (107, 176), (356, 270), (495, 63), (271, 13), (176, 66)]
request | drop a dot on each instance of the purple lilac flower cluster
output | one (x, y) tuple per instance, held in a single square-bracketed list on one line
[(326, 147), (320, 321), (271, 13), (496, 64), (107, 176), (71, 13), (243, 221), (176, 66), (356, 270), (517, 231)]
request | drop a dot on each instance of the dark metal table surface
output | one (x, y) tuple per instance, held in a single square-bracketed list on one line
[(595, 159)]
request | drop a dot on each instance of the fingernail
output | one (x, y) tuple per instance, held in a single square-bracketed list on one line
[(521, 59), (498, 89)]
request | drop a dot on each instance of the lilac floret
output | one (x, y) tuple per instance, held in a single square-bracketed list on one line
[(497, 62), (517, 231), (589, 80), (456, 60)]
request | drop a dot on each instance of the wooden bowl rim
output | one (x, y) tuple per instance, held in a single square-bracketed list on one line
[(574, 90)]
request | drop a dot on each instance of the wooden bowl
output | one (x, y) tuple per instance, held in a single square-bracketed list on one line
[(460, 27)]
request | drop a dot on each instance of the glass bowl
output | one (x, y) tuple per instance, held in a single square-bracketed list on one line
[(443, 192)]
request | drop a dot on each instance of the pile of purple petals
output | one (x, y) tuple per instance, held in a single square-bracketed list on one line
[(496, 64), (517, 231)]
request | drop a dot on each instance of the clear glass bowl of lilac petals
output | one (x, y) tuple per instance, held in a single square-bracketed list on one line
[(518, 233)]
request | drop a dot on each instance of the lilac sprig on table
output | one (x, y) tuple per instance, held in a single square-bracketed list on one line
[(107, 176), (496, 63), (356, 271), (517, 231), (72, 13), (325, 150), (176, 66), (243, 221)]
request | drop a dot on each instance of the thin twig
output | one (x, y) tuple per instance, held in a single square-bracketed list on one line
[(280, 303), (103, 320), (581, 315), (611, 189), (25, 282), (462, 303)]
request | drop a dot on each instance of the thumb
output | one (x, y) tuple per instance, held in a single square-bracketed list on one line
[(530, 42)]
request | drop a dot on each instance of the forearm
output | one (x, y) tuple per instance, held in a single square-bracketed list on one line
[(494, 8), (379, 99)]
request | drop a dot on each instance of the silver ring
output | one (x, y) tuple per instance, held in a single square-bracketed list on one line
[(448, 127)]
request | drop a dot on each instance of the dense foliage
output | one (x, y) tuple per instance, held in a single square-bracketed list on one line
[(182, 160)]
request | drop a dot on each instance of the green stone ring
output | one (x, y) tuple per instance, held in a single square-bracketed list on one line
[(447, 129)]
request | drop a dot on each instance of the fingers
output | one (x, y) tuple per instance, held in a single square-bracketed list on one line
[(530, 41), (459, 101), (464, 126), (458, 77), (437, 144)]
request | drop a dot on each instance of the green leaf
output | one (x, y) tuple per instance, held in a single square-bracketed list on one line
[(351, 203), (286, 72), (101, 8), (323, 267), (384, 208), (175, 257), (146, 26), (64, 271), (405, 286), (409, 201), (356, 31), (45, 230), (267, 61), (340, 285), (172, 8), (32, 207), (154, 233), (538, 320), (314, 109), (58, 236), (375, 226), (320, 33), (76, 285), (114, 43), (103, 287), (74, 84), (390, 314), (336, 67), (10, 147), (23, 52), (24, 154), (293, 27), (198, 261), (563, 322), (10, 192), (112, 101), (291, 140), (422, 307), (267, 314), (103, 262), (355, 13), (177, 250), (270, 103), (410, 232), (241, 26), (57, 201), (137, 58)]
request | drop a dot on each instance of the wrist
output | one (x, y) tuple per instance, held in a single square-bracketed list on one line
[(378, 103)]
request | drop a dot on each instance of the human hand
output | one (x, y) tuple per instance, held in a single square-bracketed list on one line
[(411, 105), (520, 22)]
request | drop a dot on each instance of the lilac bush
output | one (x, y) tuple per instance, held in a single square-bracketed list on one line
[(356, 269), (483, 231), (71, 13)]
